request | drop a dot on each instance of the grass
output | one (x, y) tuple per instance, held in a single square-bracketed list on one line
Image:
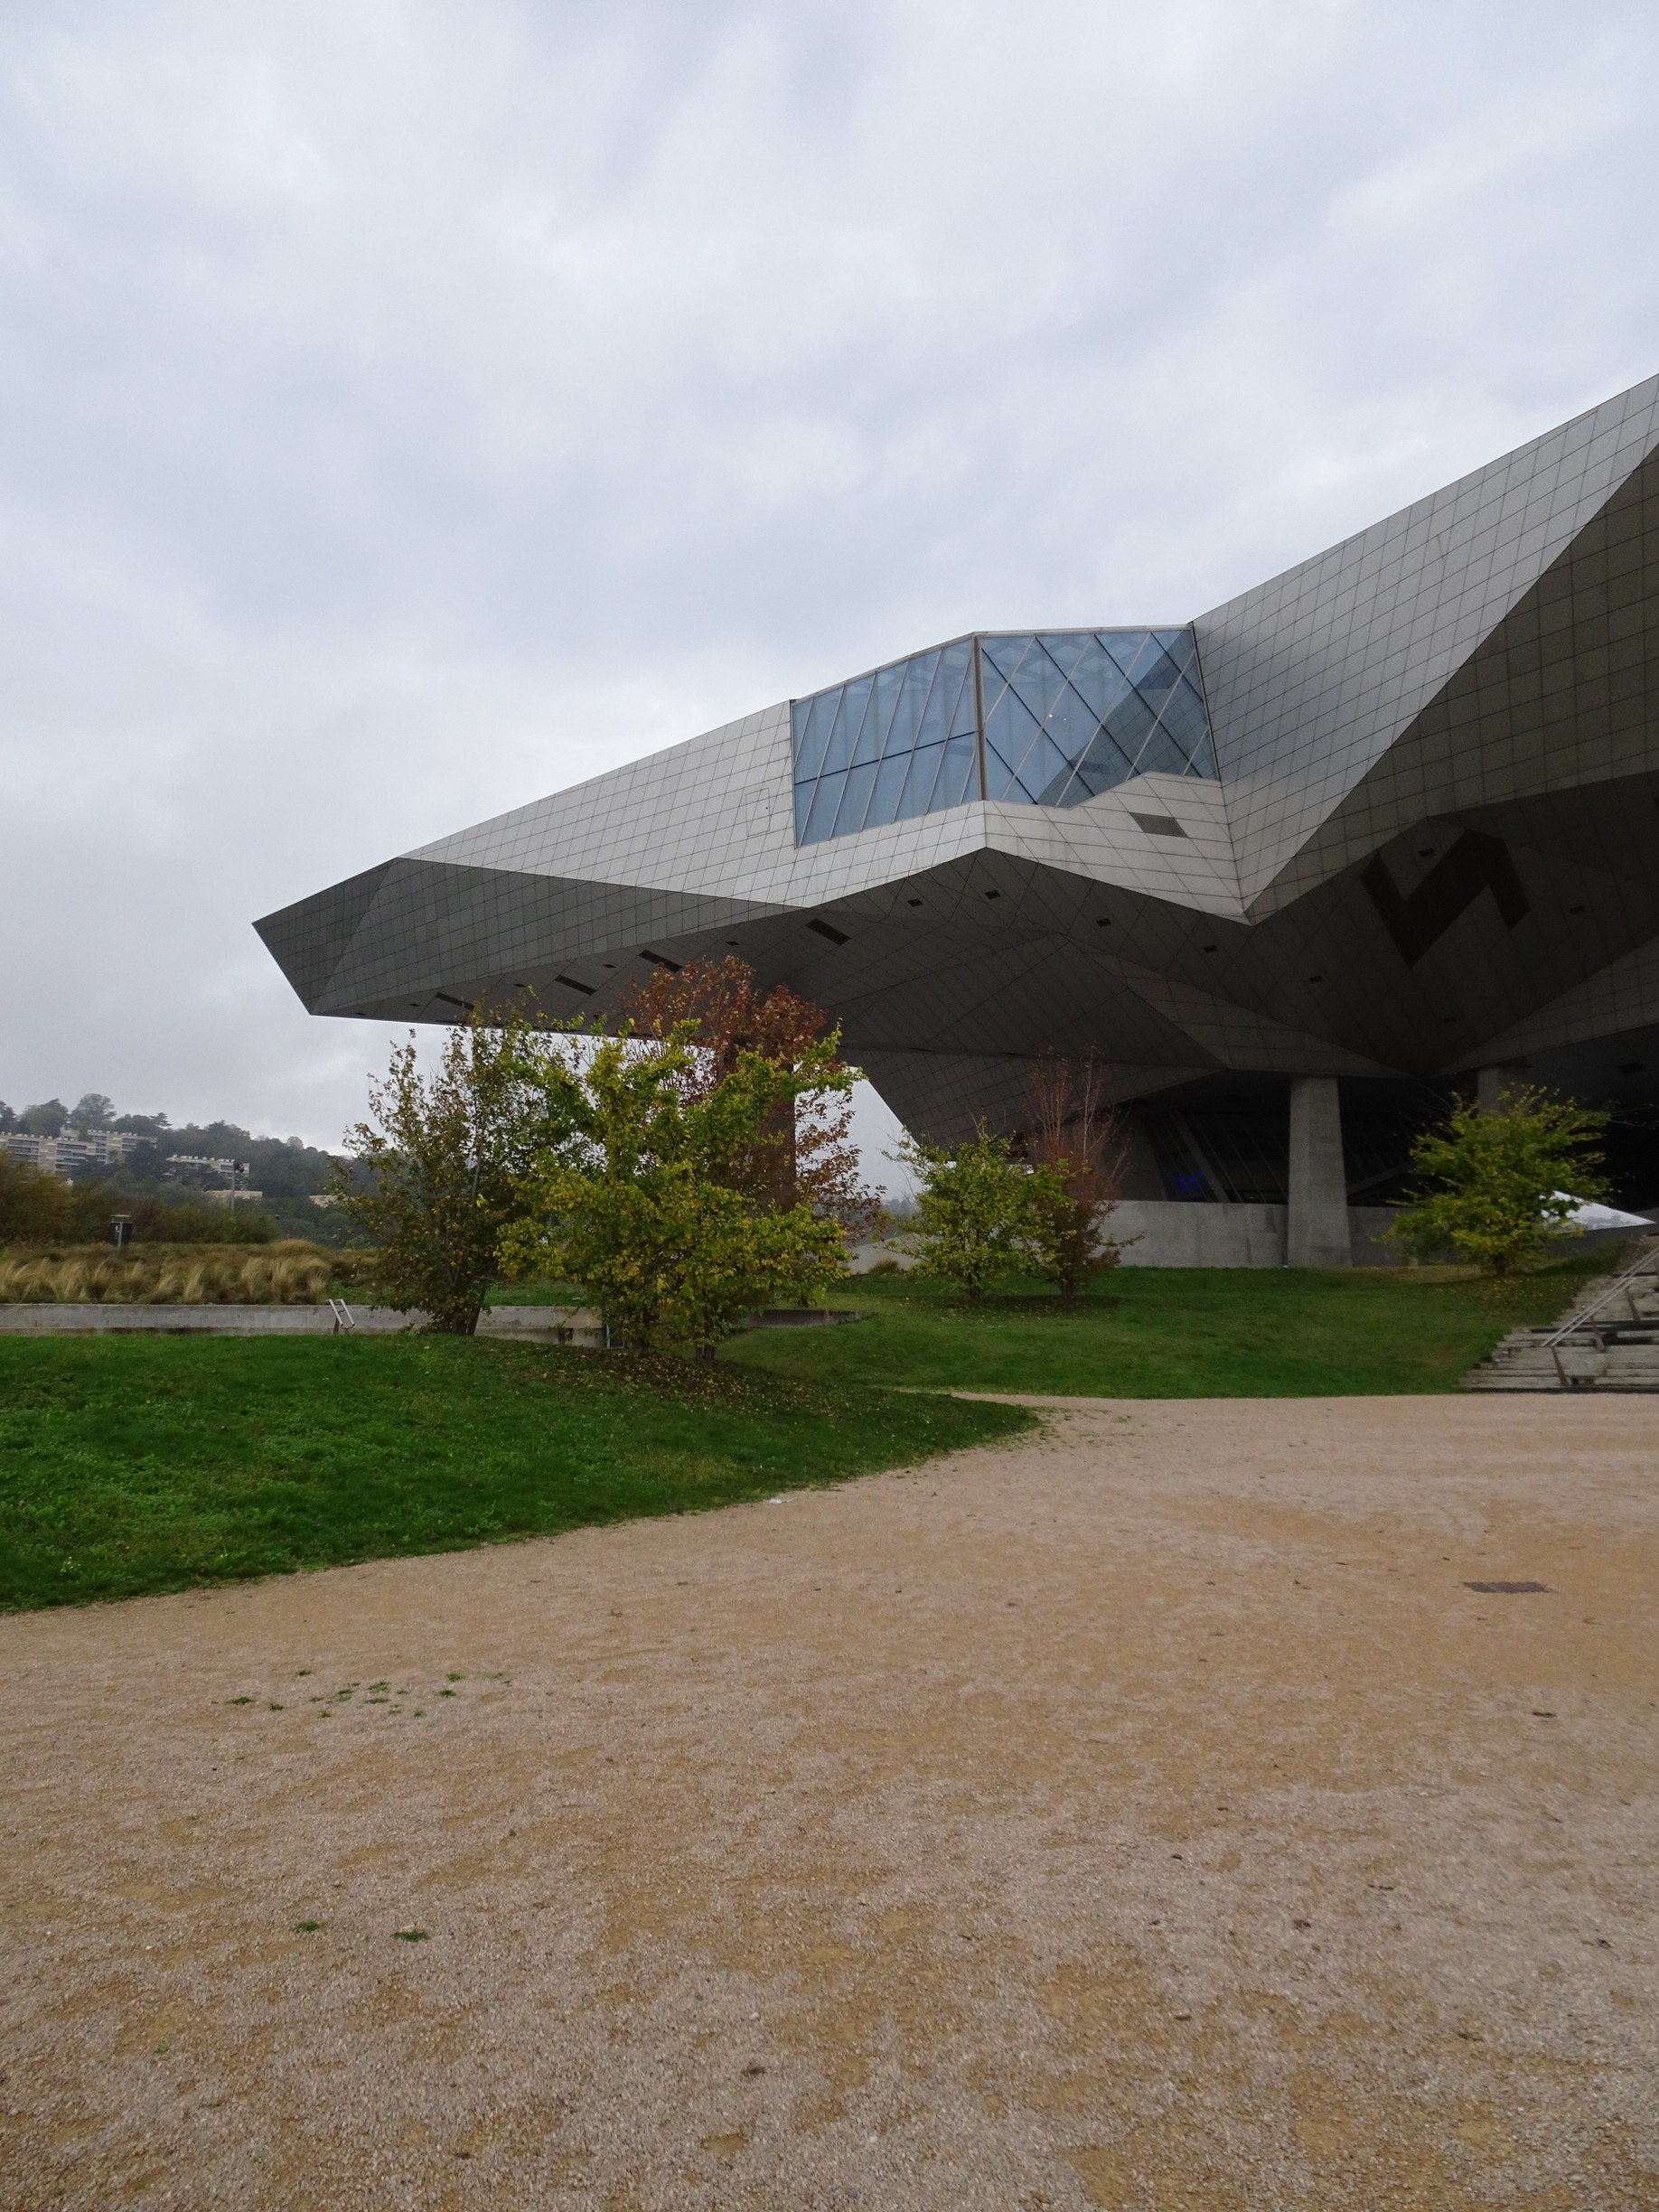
[(142, 1464), (1180, 1332)]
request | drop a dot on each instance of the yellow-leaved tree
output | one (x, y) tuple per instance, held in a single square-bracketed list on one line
[(640, 1189)]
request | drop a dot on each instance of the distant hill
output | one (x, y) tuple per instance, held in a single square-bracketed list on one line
[(287, 1171)]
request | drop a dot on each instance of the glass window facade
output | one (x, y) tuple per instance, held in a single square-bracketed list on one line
[(1045, 717)]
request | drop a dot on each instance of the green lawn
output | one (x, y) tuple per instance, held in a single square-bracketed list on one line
[(1179, 1333), (134, 1464)]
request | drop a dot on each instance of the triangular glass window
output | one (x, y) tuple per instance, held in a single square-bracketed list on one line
[(917, 795), (1067, 714), (1184, 721), (914, 690), (885, 688), (889, 784), (957, 775), (844, 730), (1160, 755), (826, 798), (812, 720), (855, 799)]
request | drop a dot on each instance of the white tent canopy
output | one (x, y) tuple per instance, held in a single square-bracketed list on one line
[(1587, 1214)]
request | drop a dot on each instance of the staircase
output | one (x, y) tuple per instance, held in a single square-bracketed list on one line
[(1608, 1342)]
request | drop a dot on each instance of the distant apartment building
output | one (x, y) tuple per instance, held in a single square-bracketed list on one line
[(226, 1186), (73, 1152)]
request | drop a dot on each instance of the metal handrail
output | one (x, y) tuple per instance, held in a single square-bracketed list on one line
[(1645, 1266), (1552, 1344)]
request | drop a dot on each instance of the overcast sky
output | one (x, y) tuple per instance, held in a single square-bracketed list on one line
[(409, 410)]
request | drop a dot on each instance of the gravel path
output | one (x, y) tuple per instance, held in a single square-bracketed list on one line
[(1144, 1816)]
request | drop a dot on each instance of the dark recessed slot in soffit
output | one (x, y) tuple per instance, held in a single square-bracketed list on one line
[(828, 929), (1157, 825), (659, 960), (570, 983)]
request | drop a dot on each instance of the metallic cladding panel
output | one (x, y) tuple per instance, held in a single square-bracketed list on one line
[(1313, 675), (1564, 692), (431, 931), (1436, 839), (308, 940)]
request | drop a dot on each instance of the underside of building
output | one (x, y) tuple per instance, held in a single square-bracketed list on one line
[(1385, 827)]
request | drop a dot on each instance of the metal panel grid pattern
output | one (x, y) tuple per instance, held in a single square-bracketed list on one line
[(713, 816), (1617, 999), (1436, 841), (1564, 692), (1313, 674)]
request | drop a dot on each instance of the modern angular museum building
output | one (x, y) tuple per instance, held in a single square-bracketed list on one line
[(1383, 827)]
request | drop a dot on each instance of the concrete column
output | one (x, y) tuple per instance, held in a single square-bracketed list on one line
[(1491, 1083), (1316, 1223)]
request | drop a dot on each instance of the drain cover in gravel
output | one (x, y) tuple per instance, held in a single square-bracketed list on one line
[(1507, 1589)]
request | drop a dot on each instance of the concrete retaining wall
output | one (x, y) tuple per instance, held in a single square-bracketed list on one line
[(527, 1324), (576, 1325), (1173, 1234), (1169, 1233)]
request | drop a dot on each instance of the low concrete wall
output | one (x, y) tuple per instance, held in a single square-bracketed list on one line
[(565, 1324), (1164, 1233), (1174, 1234), (526, 1324), (573, 1324), (1369, 1226), (1168, 1233), (95, 1320)]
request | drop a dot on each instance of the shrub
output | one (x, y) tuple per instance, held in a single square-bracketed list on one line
[(1507, 1180), (804, 1153), (36, 1208), (1077, 1148), (642, 1194), (972, 1210), (437, 1175)]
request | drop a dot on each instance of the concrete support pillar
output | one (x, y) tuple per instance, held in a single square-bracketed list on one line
[(1491, 1083), (1316, 1224), (1141, 1176)]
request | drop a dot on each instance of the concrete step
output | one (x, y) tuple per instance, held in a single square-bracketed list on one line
[(1616, 1348)]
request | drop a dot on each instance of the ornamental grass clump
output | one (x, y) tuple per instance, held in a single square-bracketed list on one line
[(284, 1274)]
